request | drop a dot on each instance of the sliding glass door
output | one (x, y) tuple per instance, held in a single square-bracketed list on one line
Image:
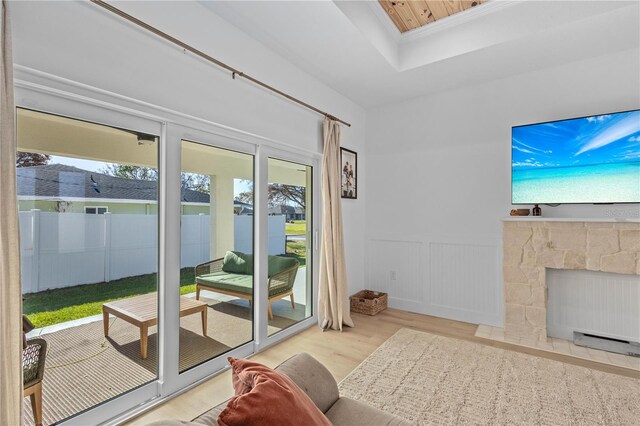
[(88, 201), (216, 259), (152, 250), (290, 262)]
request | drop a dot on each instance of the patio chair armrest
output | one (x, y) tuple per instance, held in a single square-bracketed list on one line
[(283, 281), (209, 267), (40, 356)]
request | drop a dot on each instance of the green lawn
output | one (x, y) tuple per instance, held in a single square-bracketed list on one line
[(298, 227), (70, 303), (66, 304), (298, 250)]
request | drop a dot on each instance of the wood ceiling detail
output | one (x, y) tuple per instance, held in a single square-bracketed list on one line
[(410, 14)]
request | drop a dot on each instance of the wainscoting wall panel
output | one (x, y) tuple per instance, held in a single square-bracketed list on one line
[(465, 281), (446, 276), (395, 267)]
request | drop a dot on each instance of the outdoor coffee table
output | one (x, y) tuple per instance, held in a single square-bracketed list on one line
[(142, 311)]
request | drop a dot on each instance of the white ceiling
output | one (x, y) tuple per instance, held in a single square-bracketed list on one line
[(351, 48)]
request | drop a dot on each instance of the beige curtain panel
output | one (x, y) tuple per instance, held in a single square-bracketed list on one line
[(333, 300), (10, 288)]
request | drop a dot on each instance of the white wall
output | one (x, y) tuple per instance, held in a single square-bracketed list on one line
[(438, 180), (83, 43)]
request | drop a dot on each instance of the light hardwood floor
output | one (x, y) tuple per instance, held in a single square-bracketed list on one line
[(341, 353)]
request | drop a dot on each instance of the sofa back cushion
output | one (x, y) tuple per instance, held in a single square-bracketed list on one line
[(236, 262), (313, 378), (266, 397), (278, 264)]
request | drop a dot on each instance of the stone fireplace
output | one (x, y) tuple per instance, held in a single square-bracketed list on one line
[(532, 245)]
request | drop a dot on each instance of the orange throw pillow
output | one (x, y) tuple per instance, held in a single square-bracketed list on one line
[(265, 397)]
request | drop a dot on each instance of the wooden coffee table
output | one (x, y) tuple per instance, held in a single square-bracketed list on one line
[(142, 311)]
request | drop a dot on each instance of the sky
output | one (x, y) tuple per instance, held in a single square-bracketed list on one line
[(239, 185), (90, 165), (610, 138)]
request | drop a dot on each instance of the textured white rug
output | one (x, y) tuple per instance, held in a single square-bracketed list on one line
[(431, 379)]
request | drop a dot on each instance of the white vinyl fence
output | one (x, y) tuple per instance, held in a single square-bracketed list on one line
[(243, 234), (66, 249)]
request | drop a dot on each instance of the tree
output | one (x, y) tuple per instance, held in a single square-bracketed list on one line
[(279, 194), (245, 197), (193, 181), (30, 159), (196, 182), (287, 194), (127, 171)]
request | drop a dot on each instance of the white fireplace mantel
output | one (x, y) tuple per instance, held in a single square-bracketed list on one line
[(568, 219), (533, 244)]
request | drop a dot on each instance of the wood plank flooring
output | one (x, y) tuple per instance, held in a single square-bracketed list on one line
[(341, 353)]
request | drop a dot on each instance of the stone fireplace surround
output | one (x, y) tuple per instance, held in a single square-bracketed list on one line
[(530, 245)]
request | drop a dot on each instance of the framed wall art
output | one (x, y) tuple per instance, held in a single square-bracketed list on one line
[(349, 173)]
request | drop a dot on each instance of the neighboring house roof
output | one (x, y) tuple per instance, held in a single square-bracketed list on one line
[(62, 181), (245, 211), (285, 209), (242, 208)]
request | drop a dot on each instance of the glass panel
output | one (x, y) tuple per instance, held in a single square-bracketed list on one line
[(290, 254), (87, 195), (216, 252)]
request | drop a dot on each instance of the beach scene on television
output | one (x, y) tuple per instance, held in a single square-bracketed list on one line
[(584, 160)]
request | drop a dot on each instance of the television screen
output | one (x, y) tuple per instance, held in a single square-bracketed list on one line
[(582, 160)]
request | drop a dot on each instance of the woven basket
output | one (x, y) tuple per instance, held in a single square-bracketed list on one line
[(368, 302)]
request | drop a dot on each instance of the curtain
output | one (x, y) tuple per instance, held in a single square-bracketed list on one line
[(333, 300), (10, 287)]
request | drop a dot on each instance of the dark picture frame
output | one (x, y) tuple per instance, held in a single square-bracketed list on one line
[(348, 174)]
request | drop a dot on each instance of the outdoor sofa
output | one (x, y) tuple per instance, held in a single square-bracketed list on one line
[(233, 275)]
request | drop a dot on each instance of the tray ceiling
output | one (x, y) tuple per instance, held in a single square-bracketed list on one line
[(410, 14), (353, 47)]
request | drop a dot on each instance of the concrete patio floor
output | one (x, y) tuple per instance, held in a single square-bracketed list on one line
[(83, 368)]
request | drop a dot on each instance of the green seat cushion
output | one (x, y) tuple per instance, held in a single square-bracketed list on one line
[(238, 263), (279, 263), (239, 283)]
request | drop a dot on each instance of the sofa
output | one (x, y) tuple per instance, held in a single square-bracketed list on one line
[(233, 275), (318, 383)]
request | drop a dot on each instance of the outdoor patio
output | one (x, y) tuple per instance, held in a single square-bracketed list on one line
[(83, 368)]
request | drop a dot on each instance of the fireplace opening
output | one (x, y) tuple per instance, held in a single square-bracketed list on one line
[(603, 308)]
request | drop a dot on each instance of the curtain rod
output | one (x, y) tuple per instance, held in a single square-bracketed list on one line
[(234, 72)]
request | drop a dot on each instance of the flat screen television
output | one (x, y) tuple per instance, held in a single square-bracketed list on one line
[(587, 160)]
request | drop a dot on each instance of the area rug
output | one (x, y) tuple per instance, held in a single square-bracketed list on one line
[(83, 368), (429, 379)]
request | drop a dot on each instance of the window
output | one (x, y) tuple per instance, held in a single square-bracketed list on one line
[(96, 210)]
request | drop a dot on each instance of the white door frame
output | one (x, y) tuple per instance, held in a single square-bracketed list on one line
[(176, 381), (263, 340), (76, 107), (50, 94)]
